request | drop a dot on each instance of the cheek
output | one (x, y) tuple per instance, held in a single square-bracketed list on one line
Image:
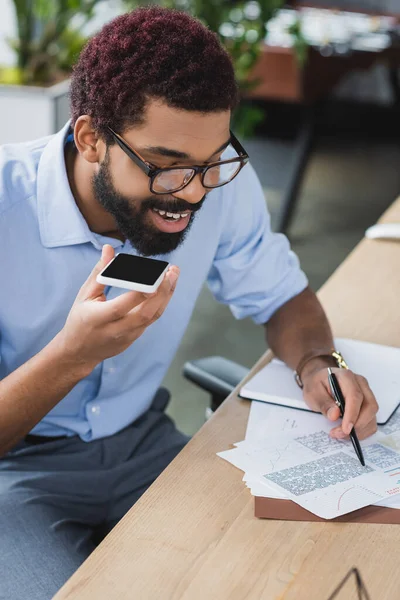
[(133, 187), (128, 179)]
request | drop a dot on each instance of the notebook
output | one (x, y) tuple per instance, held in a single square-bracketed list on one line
[(379, 364)]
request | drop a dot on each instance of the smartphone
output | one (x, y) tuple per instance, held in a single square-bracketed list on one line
[(133, 273)]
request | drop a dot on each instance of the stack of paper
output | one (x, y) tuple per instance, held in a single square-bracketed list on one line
[(289, 454)]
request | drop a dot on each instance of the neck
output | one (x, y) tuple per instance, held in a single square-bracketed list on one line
[(80, 173)]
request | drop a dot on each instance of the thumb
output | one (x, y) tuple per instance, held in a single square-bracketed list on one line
[(332, 412), (319, 399), (328, 406), (91, 288)]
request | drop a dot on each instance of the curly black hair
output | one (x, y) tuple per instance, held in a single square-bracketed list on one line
[(150, 53)]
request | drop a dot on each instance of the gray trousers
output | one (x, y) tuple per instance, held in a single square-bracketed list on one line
[(58, 499)]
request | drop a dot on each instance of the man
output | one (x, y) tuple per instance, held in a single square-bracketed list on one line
[(147, 166)]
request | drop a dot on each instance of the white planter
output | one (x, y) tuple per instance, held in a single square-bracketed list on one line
[(28, 112)]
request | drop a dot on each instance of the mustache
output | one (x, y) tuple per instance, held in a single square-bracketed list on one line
[(173, 205)]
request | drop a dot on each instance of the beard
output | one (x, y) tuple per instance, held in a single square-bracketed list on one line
[(132, 215)]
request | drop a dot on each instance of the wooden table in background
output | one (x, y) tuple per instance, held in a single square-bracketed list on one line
[(193, 534)]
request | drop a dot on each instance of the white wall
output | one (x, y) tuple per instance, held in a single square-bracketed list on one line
[(7, 29), (25, 113)]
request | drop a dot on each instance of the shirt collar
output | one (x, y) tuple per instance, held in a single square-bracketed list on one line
[(60, 221)]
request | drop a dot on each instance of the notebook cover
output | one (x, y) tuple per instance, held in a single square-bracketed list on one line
[(286, 510)]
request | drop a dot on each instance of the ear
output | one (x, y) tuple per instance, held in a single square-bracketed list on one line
[(87, 141)]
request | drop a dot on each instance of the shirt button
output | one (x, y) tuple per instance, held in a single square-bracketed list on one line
[(95, 410)]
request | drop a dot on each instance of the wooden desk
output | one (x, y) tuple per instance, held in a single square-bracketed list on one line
[(193, 534)]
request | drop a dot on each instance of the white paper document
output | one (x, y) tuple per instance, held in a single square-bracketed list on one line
[(289, 454), (379, 364)]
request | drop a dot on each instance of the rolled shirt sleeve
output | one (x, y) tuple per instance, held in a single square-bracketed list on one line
[(254, 270)]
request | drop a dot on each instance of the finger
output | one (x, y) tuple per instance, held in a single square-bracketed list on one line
[(91, 288), (153, 306), (370, 405), (366, 423), (370, 429), (354, 399), (362, 433), (121, 306)]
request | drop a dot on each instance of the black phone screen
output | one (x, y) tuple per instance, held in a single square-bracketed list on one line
[(136, 269)]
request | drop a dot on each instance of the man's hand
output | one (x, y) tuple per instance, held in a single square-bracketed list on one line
[(361, 405), (97, 328)]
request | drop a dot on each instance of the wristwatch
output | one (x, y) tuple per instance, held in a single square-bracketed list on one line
[(333, 353)]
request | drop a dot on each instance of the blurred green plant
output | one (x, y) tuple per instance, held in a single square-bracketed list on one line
[(300, 43), (49, 39)]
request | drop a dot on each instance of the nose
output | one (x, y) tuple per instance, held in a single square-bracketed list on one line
[(192, 193)]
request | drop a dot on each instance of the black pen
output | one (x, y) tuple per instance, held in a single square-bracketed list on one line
[(339, 400)]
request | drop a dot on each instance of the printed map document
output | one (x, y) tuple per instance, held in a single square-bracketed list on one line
[(289, 454), (379, 364)]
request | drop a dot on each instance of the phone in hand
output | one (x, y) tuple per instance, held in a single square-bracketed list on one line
[(135, 273)]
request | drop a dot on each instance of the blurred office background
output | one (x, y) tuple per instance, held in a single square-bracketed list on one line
[(326, 149)]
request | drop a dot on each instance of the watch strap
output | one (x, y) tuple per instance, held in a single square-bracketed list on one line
[(318, 353)]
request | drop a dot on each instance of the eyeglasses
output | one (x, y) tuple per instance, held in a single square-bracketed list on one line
[(173, 179)]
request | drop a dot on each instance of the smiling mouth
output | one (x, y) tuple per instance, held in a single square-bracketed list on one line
[(170, 222), (171, 216)]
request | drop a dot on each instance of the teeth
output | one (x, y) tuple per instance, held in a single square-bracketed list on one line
[(170, 215)]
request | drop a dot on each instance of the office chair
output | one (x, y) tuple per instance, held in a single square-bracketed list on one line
[(214, 374), (217, 375)]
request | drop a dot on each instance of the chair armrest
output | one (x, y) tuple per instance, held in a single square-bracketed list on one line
[(215, 374)]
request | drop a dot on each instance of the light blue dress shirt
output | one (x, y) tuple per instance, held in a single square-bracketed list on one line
[(47, 251)]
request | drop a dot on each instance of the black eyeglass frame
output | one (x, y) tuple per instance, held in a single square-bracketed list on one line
[(152, 171)]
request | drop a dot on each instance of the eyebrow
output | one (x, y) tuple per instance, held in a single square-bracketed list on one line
[(170, 153)]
